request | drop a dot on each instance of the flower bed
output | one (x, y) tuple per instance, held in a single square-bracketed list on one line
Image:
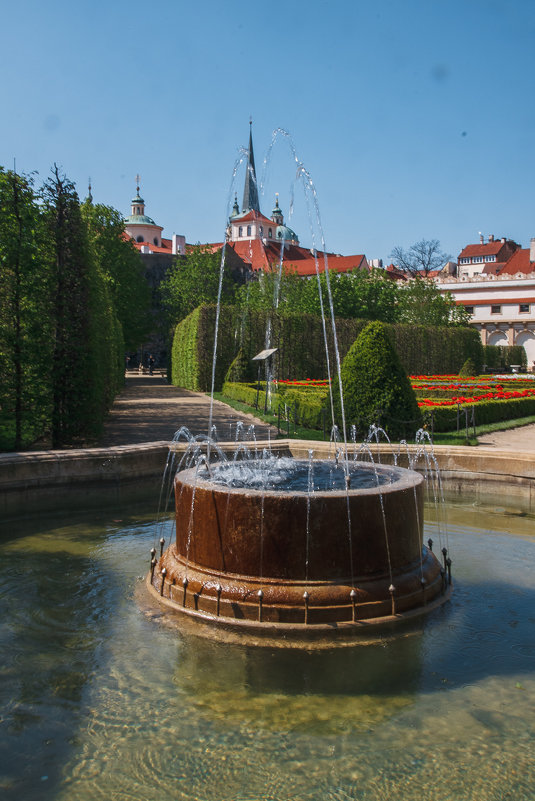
[(486, 401), (440, 396), (304, 382)]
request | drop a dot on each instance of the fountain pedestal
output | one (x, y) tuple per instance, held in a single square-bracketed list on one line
[(327, 559)]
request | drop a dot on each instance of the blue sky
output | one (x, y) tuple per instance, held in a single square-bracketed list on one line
[(414, 119)]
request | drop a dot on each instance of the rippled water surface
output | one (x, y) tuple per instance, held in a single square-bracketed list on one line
[(101, 700), (284, 474)]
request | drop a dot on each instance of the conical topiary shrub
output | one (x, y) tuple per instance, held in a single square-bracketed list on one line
[(468, 369), (376, 387), (241, 369)]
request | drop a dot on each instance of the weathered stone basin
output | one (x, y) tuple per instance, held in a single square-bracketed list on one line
[(283, 557)]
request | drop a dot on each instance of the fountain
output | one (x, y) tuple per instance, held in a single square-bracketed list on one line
[(286, 548), (278, 560)]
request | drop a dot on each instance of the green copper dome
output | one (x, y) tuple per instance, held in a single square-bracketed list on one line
[(283, 232), (139, 219)]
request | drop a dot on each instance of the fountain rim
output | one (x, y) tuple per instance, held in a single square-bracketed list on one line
[(319, 636), (405, 479)]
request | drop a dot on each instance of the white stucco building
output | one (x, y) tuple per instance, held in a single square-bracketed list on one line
[(147, 235), (495, 282)]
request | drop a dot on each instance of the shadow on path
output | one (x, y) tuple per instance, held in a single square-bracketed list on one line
[(151, 410)]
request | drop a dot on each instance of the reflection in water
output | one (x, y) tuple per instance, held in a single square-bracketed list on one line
[(99, 700), (320, 691)]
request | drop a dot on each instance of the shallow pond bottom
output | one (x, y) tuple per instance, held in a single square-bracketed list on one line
[(101, 700)]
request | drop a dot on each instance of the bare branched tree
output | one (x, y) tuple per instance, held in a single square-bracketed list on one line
[(421, 258)]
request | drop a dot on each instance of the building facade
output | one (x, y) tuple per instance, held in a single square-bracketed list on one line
[(495, 282)]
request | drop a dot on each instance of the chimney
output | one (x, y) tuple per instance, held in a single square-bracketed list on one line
[(532, 249), (481, 238), (491, 237), (178, 247)]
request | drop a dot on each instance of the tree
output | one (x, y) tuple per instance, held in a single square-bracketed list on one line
[(355, 294), (421, 258), (360, 294), (194, 280), (88, 349), (123, 269), (420, 302), (24, 314)]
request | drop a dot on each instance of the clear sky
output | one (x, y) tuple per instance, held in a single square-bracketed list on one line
[(414, 118)]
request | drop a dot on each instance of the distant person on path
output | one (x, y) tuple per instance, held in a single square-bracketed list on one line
[(151, 364)]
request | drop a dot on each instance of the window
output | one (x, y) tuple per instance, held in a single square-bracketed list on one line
[(469, 309), (495, 309), (261, 230), (490, 258), (477, 260), (270, 232), (248, 230), (523, 308), (240, 231), (464, 260), (139, 239), (155, 240)]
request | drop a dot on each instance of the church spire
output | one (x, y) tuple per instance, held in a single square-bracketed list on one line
[(250, 190)]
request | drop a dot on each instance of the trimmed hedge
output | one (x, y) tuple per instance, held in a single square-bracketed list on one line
[(307, 407), (501, 356), (491, 411), (241, 369), (376, 387), (245, 393), (299, 340)]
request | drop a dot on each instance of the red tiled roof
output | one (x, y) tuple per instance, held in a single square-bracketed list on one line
[(495, 301), (265, 256), (252, 215), (519, 263), (493, 268), (395, 273), (166, 246), (485, 249)]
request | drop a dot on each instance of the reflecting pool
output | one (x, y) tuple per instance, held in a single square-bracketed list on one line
[(100, 698)]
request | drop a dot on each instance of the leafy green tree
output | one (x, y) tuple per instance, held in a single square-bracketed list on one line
[(355, 294), (420, 302), (87, 342), (376, 387), (194, 280), (269, 290), (123, 269), (360, 294), (24, 314)]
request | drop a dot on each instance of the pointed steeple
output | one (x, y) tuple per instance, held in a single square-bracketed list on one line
[(250, 190)]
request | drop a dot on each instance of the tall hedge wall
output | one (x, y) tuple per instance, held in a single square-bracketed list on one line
[(502, 356), (300, 346)]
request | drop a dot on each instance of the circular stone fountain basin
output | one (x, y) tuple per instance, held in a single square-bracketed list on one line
[(255, 548)]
